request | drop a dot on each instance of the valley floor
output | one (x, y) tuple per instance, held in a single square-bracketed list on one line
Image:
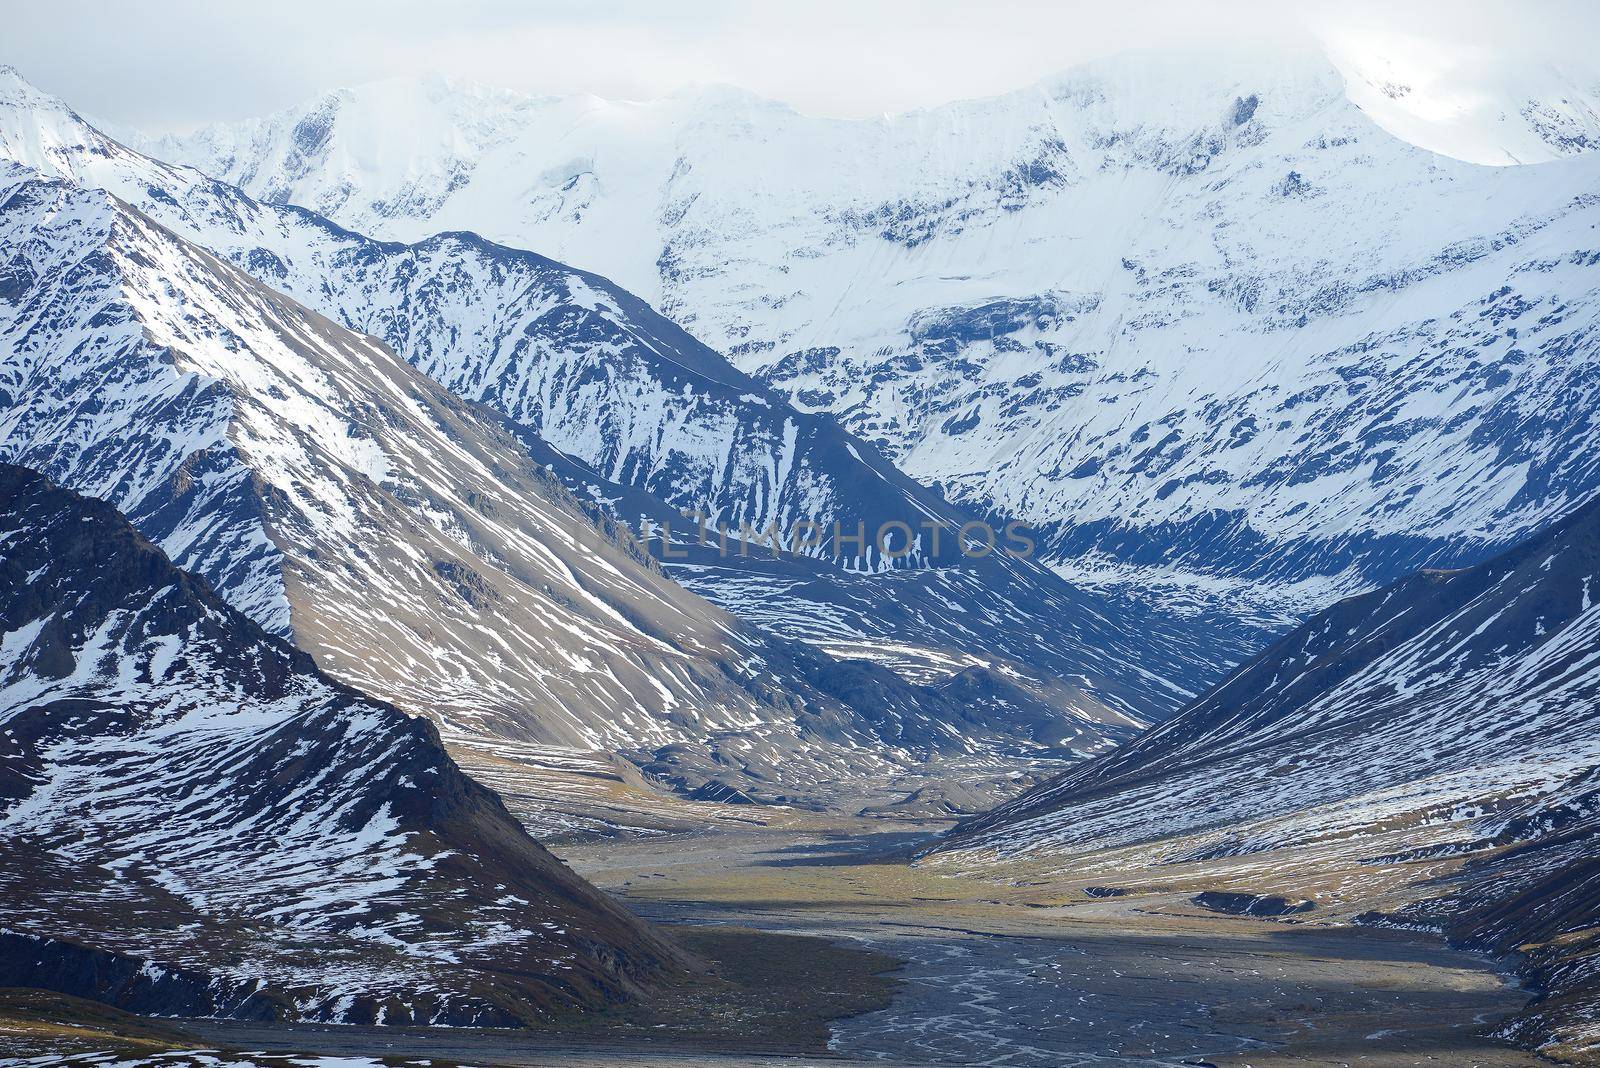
[(990, 979)]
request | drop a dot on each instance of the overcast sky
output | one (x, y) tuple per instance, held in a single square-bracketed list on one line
[(172, 65)]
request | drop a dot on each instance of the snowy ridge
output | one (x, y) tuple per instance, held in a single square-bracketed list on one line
[(180, 787), (189, 491), (348, 442), (1203, 316)]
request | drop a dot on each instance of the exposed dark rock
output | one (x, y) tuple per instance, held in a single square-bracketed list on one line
[(1238, 904)]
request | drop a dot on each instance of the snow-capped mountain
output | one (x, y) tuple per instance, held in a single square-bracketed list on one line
[(1212, 323), (1435, 737), (194, 819), (631, 403)]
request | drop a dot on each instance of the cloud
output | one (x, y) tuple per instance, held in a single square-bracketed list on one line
[(185, 62)]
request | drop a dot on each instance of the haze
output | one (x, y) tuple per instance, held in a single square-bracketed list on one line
[(188, 62)]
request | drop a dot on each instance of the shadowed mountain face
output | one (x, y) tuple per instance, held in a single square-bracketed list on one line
[(1210, 322), (1452, 717), (636, 415), (194, 818)]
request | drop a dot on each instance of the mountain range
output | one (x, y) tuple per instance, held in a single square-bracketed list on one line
[(636, 415), (407, 538), (326, 487), (1210, 324)]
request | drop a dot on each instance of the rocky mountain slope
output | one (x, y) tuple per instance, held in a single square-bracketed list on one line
[(194, 819), (402, 536), (638, 416), (1211, 323), (1428, 750)]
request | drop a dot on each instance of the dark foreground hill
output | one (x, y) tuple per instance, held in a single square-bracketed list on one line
[(194, 819)]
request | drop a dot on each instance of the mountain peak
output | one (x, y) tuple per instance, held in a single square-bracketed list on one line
[(17, 92), (16, 89)]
